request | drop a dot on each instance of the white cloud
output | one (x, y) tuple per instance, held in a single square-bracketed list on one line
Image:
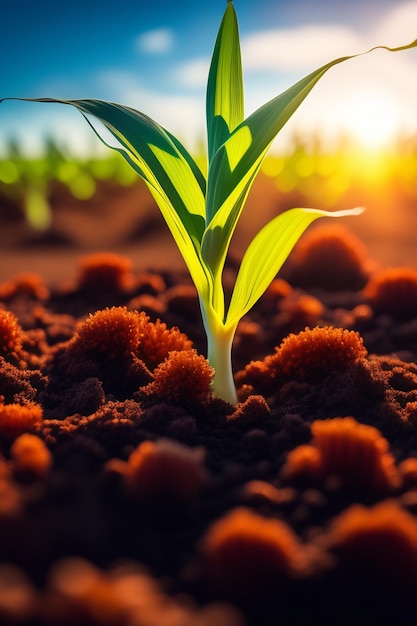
[(159, 41), (300, 48), (384, 82), (304, 48), (398, 26), (272, 61), (193, 74)]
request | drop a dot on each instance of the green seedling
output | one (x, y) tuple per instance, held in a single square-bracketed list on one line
[(202, 213)]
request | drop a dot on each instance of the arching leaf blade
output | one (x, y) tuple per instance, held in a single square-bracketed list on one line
[(172, 176), (266, 254), (234, 158), (155, 154), (175, 163), (189, 250), (176, 226)]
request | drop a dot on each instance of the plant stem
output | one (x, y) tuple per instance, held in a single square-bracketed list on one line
[(219, 354)]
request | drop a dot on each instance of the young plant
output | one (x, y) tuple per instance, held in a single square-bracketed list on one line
[(202, 214)]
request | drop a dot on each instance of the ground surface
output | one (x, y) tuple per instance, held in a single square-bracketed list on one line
[(254, 506)]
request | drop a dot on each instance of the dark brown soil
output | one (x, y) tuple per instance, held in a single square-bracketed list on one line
[(69, 528)]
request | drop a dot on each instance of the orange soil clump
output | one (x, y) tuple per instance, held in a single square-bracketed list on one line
[(329, 257), (164, 470), (27, 283), (380, 541), (157, 341), (16, 419), (252, 413), (104, 272), (78, 592), (11, 335), (314, 353), (408, 471), (120, 352), (356, 453), (309, 356), (31, 458), (119, 333), (246, 554), (393, 291), (113, 331), (184, 378), (304, 462)]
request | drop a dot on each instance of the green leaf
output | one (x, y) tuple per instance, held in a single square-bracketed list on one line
[(217, 236), (224, 102), (173, 177), (236, 157), (267, 253)]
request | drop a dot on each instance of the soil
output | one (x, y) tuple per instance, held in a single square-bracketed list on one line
[(129, 495)]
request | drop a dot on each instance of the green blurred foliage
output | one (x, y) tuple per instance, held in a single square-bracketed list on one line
[(320, 175), (28, 181)]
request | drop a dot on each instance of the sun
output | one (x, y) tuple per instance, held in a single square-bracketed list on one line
[(371, 118)]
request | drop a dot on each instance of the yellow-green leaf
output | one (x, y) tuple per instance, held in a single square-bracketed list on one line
[(173, 177), (267, 253), (224, 102), (263, 126)]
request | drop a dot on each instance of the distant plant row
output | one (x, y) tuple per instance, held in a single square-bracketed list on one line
[(307, 167), (27, 180)]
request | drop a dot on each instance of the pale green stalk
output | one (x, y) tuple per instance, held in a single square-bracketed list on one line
[(219, 353), (202, 214)]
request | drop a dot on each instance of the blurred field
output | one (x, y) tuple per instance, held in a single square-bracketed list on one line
[(54, 209)]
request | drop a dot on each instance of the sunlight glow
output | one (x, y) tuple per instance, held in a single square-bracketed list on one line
[(371, 118)]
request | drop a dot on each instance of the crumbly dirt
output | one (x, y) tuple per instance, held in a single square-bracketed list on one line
[(71, 515)]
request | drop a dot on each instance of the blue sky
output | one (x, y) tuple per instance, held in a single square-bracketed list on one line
[(155, 56)]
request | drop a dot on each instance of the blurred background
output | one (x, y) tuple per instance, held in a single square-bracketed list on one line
[(352, 142)]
